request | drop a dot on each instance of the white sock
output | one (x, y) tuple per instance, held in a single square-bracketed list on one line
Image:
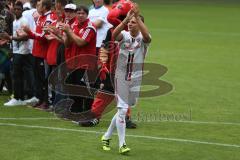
[(121, 125), (111, 128)]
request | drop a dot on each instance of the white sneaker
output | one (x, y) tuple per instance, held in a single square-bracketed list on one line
[(4, 88), (32, 101), (14, 102)]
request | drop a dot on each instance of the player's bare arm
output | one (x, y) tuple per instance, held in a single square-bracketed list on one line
[(117, 31), (142, 27)]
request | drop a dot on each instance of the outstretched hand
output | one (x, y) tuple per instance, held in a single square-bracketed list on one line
[(136, 10)]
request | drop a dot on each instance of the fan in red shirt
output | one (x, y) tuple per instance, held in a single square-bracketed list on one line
[(54, 41), (47, 17), (40, 48), (80, 53), (79, 39)]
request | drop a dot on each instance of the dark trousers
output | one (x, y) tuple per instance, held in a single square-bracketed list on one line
[(40, 79), (60, 60), (80, 103), (21, 70), (29, 86), (49, 70)]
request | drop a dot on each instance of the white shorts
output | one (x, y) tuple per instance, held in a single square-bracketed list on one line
[(127, 92)]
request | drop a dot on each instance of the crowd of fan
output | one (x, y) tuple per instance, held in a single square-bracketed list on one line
[(37, 36)]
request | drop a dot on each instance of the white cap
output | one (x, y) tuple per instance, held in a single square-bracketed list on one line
[(27, 5), (70, 6)]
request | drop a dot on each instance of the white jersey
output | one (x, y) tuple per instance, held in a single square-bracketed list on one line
[(128, 75), (131, 57), (20, 47), (31, 16), (100, 14)]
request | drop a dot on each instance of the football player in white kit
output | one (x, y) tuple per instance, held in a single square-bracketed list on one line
[(133, 48)]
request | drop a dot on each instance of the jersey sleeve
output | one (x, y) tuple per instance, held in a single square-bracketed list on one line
[(88, 35)]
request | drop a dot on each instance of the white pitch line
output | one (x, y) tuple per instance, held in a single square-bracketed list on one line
[(134, 136), (172, 121), (155, 121)]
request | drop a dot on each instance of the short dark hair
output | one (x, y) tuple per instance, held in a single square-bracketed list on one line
[(84, 8), (47, 4), (19, 4)]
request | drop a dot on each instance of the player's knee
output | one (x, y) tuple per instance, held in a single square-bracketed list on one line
[(122, 113)]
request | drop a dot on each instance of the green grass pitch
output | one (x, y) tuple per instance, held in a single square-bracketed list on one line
[(198, 41)]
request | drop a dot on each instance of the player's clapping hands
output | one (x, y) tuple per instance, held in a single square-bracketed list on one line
[(136, 10), (129, 15)]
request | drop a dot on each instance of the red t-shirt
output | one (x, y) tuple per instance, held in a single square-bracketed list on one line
[(52, 52), (53, 46), (40, 44), (83, 57), (69, 50)]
